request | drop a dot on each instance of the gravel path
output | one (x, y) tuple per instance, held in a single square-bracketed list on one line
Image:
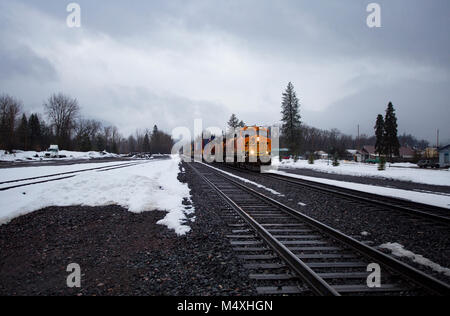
[(405, 185), (353, 219), (120, 253)]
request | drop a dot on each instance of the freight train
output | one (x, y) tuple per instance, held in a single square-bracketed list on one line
[(250, 147)]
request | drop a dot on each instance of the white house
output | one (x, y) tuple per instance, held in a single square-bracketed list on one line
[(444, 160)]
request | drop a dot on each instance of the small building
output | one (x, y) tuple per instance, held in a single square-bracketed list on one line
[(407, 153), (444, 159), (368, 152), (353, 155), (431, 153), (321, 154)]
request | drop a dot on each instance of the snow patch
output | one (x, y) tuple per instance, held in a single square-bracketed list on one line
[(396, 171), (20, 155), (399, 251), (419, 197), (144, 187)]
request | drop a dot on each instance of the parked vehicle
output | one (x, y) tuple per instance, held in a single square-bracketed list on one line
[(373, 160), (428, 164), (52, 152)]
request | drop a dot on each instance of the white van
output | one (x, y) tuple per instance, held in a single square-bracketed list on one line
[(52, 152)]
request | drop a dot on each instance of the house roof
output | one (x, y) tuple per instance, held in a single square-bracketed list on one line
[(444, 147), (369, 149), (406, 151)]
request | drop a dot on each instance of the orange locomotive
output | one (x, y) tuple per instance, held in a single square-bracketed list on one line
[(251, 146)]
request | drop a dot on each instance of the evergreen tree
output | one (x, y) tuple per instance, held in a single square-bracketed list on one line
[(291, 118), (379, 133), (234, 123), (146, 144), (336, 160), (311, 159), (34, 129), (391, 142), (100, 142), (22, 133), (155, 146), (84, 143)]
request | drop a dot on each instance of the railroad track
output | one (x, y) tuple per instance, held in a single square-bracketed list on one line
[(436, 215), (61, 176), (290, 253)]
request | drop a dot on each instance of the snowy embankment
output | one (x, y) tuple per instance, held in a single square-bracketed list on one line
[(144, 187), (400, 171), (399, 251), (19, 155), (419, 197)]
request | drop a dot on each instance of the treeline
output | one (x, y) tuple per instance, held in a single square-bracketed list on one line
[(63, 125), (302, 139)]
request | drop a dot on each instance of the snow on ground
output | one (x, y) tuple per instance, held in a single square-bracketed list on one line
[(145, 187), (8, 174), (246, 181), (399, 251), (396, 171), (419, 197), (37, 156)]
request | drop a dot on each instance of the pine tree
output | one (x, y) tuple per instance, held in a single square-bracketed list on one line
[(379, 133), (233, 123), (391, 142), (34, 130), (311, 159), (336, 160), (155, 141), (291, 118), (146, 143), (22, 133)]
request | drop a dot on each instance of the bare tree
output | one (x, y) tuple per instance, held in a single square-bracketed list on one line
[(10, 109), (62, 112)]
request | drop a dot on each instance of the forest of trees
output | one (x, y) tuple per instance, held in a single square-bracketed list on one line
[(302, 139), (63, 125)]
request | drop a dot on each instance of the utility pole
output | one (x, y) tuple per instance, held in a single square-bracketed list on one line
[(358, 144), (437, 139)]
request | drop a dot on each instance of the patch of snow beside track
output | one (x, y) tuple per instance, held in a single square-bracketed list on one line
[(399, 251), (396, 171), (145, 187), (419, 197)]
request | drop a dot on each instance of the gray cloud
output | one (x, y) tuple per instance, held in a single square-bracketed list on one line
[(168, 62)]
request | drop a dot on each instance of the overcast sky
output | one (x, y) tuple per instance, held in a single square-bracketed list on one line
[(137, 63)]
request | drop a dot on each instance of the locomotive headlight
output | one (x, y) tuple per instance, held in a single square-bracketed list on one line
[(252, 152), (257, 139)]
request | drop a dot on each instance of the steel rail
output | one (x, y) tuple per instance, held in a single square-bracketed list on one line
[(376, 199), (65, 173), (410, 273), (102, 169), (318, 285)]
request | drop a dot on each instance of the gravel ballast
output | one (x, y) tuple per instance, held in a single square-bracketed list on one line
[(365, 224), (120, 253)]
